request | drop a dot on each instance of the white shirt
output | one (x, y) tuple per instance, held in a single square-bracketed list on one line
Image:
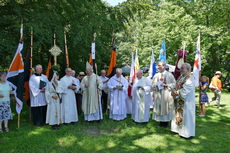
[(37, 97), (103, 79)]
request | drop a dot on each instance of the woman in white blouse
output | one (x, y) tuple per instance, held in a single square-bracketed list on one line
[(5, 110)]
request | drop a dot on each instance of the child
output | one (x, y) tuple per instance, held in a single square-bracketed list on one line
[(203, 97)]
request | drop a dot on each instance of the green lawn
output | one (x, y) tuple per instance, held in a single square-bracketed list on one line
[(212, 135)]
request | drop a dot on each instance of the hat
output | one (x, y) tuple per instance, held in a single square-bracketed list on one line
[(88, 67), (81, 73), (218, 72)]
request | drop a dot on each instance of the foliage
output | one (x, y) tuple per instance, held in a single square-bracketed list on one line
[(79, 18), (178, 21), (212, 135), (150, 21)]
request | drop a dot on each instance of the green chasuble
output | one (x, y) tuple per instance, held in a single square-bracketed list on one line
[(91, 94)]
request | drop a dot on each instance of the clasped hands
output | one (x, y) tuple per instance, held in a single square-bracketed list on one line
[(164, 84), (72, 87), (55, 97), (43, 89), (140, 87), (114, 88), (174, 93)]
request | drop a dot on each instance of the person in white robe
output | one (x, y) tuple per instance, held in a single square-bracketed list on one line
[(68, 87), (141, 99), (129, 106), (162, 84), (91, 86), (183, 121), (152, 102), (118, 87), (53, 115), (73, 74), (37, 83)]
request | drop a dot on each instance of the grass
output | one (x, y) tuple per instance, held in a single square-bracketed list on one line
[(212, 135)]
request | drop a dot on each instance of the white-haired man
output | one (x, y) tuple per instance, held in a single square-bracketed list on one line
[(68, 87), (104, 96), (118, 87), (163, 83), (183, 121), (37, 84), (91, 86), (141, 99)]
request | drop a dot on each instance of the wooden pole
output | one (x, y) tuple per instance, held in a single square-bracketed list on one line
[(21, 38), (199, 80), (98, 97), (31, 59), (31, 50), (18, 121), (66, 50), (55, 57)]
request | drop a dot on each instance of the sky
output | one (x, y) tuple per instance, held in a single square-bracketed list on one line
[(114, 2)]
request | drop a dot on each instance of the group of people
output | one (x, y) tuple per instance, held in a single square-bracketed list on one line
[(59, 101)]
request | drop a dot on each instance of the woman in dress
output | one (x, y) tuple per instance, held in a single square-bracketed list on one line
[(5, 110)]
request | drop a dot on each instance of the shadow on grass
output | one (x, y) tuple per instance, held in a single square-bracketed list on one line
[(123, 136)]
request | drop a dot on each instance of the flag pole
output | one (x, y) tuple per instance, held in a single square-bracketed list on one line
[(100, 113), (31, 55), (199, 80), (21, 39), (55, 57), (66, 50)]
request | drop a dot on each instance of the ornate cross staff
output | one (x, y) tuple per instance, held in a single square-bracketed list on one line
[(55, 51)]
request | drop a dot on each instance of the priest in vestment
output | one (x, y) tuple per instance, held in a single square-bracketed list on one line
[(68, 87), (118, 87), (142, 98), (183, 121), (91, 86), (163, 83), (53, 103), (37, 85)]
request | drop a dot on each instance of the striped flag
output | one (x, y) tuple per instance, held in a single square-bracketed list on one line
[(112, 66), (152, 68), (27, 74), (15, 75), (49, 71), (92, 57), (137, 66), (197, 63), (132, 76)]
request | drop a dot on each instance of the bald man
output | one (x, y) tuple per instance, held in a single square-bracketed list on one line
[(37, 85), (162, 84), (118, 87), (141, 99), (68, 86)]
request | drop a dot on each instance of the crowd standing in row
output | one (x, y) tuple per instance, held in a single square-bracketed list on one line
[(58, 102)]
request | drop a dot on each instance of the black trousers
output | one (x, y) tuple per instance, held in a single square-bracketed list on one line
[(39, 115), (79, 102), (104, 99), (164, 124)]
